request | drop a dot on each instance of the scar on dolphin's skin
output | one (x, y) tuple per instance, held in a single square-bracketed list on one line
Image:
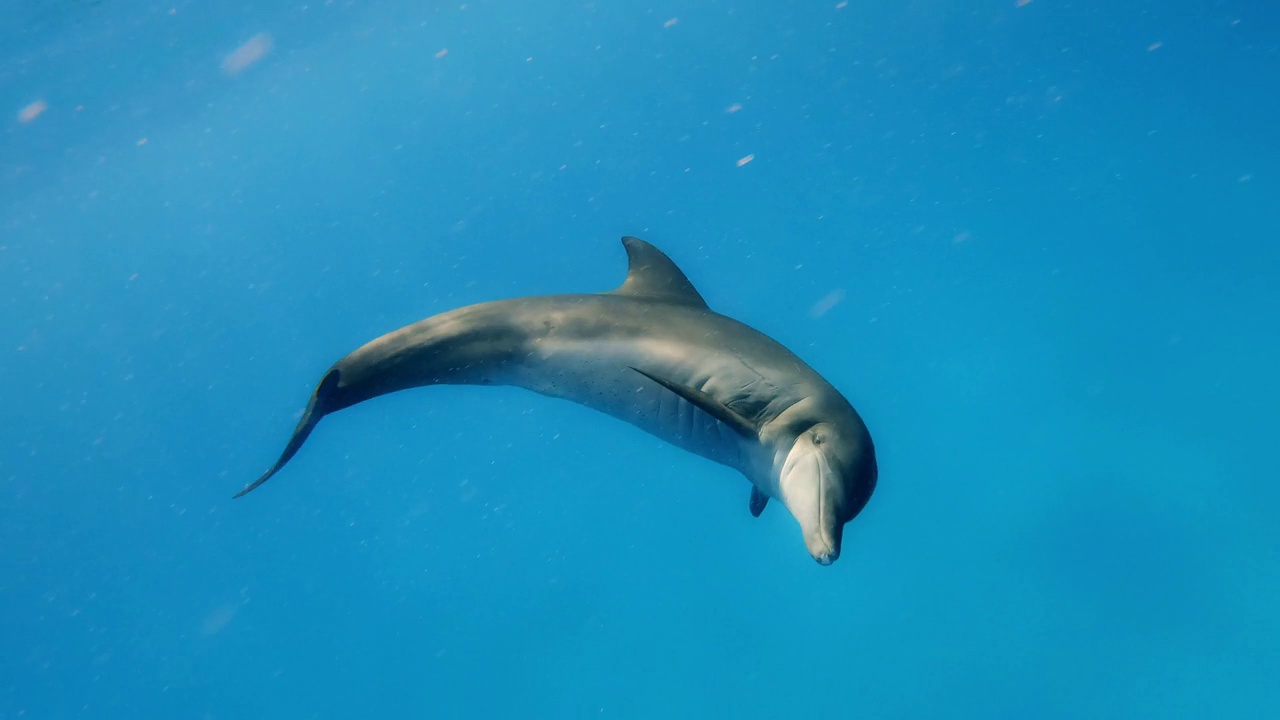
[(650, 353)]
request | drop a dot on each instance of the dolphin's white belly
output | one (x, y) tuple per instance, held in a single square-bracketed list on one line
[(601, 376)]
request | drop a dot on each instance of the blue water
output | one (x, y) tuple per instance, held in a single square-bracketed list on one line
[(1035, 245)]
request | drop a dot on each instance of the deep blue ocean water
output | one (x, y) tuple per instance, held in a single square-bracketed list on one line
[(1036, 244)]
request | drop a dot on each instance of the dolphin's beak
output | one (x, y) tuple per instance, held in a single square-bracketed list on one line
[(807, 483), (824, 544)]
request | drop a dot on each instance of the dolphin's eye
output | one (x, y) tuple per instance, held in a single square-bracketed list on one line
[(819, 438)]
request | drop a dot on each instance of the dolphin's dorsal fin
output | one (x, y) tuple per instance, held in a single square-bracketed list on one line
[(651, 274), (758, 501)]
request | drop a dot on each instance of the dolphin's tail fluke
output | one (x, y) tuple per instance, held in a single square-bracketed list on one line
[(322, 402)]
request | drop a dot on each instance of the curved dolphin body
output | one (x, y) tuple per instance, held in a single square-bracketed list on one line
[(653, 354)]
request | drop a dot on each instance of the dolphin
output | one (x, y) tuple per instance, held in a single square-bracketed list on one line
[(650, 353)]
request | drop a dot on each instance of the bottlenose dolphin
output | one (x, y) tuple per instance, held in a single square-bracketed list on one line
[(653, 354)]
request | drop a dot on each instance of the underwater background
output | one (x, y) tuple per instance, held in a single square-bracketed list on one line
[(1035, 243)]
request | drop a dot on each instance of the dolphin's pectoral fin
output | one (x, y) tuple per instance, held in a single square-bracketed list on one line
[(709, 405), (321, 403), (758, 501), (651, 274)]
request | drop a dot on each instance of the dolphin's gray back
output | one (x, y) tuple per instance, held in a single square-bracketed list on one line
[(589, 348)]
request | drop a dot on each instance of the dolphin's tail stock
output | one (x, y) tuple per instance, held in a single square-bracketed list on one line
[(322, 402)]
